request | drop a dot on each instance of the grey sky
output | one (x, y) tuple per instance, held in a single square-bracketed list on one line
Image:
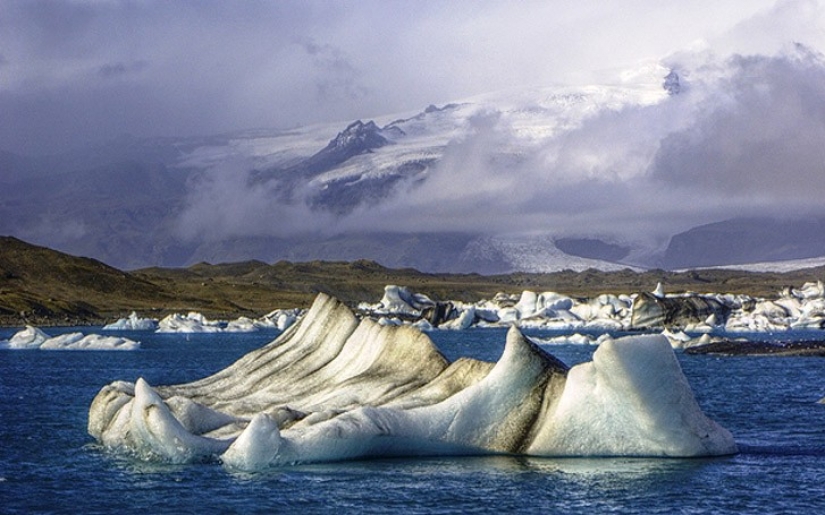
[(73, 72)]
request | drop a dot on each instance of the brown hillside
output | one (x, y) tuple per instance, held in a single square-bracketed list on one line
[(42, 286)]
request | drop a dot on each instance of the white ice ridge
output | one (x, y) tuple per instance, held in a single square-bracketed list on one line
[(34, 338), (194, 322), (334, 388), (132, 323)]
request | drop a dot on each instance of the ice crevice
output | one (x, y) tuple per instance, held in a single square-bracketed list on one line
[(333, 388)]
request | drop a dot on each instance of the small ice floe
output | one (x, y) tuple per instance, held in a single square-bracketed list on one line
[(279, 319), (192, 322), (573, 339), (132, 323), (28, 338)]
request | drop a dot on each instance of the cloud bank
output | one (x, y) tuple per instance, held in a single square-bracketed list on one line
[(80, 71), (743, 137)]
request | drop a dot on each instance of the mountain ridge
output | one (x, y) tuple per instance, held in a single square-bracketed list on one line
[(459, 188)]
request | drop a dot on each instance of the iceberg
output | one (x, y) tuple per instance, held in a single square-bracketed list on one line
[(28, 338), (192, 322), (279, 319), (34, 338), (132, 323), (802, 308), (333, 387), (241, 325), (79, 341)]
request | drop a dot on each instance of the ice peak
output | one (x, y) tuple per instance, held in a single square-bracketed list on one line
[(359, 135)]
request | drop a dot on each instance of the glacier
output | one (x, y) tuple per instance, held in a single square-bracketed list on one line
[(335, 387)]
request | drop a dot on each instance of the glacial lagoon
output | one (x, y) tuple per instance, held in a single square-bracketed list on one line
[(49, 463)]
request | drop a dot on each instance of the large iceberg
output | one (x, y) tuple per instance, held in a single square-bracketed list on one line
[(333, 387)]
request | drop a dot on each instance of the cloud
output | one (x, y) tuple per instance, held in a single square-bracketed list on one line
[(758, 142), (225, 202), (745, 137), (193, 67), (120, 69), (339, 78)]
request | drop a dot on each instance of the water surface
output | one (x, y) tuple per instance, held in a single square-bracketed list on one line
[(49, 464)]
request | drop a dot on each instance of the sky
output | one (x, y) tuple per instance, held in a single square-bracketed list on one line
[(73, 72), (744, 138)]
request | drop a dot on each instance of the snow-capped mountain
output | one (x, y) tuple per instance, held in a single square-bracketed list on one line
[(535, 180)]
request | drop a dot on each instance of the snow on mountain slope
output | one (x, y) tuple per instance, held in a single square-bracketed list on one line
[(531, 115), (361, 174), (645, 155)]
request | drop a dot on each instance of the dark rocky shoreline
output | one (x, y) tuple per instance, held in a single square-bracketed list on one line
[(759, 348)]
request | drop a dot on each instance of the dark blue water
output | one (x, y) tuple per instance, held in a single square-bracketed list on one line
[(48, 464)]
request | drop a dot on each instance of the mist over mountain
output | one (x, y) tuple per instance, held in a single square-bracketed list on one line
[(697, 160)]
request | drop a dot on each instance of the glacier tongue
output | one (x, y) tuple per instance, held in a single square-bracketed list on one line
[(334, 388)]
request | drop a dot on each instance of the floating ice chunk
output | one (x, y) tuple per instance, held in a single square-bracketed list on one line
[(34, 338), (190, 323), (508, 315), (570, 339), (132, 323), (390, 321), (280, 318), (196, 323), (659, 291), (28, 338), (810, 291), (527, 304), (77, 341), (399, 300), (677, 339), (241, 325), (464, 320)]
